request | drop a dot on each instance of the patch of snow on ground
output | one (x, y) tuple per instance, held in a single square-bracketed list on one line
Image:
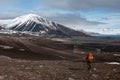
[(6, 47), (59, 39), (5, 57), (116, 54), (7, 31), (22, 49), (116, 63)]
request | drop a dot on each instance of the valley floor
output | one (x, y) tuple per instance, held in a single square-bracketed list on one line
[(16, 69), (32, 58)]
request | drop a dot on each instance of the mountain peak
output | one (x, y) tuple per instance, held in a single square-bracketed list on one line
[(29, 17), (32, 14)]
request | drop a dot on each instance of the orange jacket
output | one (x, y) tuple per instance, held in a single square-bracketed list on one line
[(90, 57)]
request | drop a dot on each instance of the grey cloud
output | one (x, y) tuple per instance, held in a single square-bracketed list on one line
[(11, 15), (69, 19), (111, 5), (6, 16), (7, 2)]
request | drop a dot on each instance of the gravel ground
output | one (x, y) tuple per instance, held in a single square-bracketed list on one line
[(15, 69)]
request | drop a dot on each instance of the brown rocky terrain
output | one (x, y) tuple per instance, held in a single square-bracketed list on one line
[(34, 58)]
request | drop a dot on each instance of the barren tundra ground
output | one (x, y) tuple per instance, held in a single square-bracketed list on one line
[(44, 59)]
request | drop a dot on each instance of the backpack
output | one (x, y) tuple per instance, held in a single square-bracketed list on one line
[(90, 57)]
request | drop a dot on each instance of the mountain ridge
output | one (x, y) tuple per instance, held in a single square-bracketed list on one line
[(37, 24)]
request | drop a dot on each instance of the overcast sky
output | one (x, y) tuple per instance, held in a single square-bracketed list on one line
[(101, 16)]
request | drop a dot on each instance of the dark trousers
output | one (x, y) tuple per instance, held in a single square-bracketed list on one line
[(89, 67)]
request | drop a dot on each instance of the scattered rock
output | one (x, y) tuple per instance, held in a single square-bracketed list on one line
[(2, 77), (22, 49), (94, 75), (114, 70), (94, 69), (40, 66), (71, 78)]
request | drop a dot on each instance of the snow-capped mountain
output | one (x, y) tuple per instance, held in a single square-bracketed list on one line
[(37, 24)]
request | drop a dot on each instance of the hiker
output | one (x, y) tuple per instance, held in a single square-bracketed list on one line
[(89, 59)]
